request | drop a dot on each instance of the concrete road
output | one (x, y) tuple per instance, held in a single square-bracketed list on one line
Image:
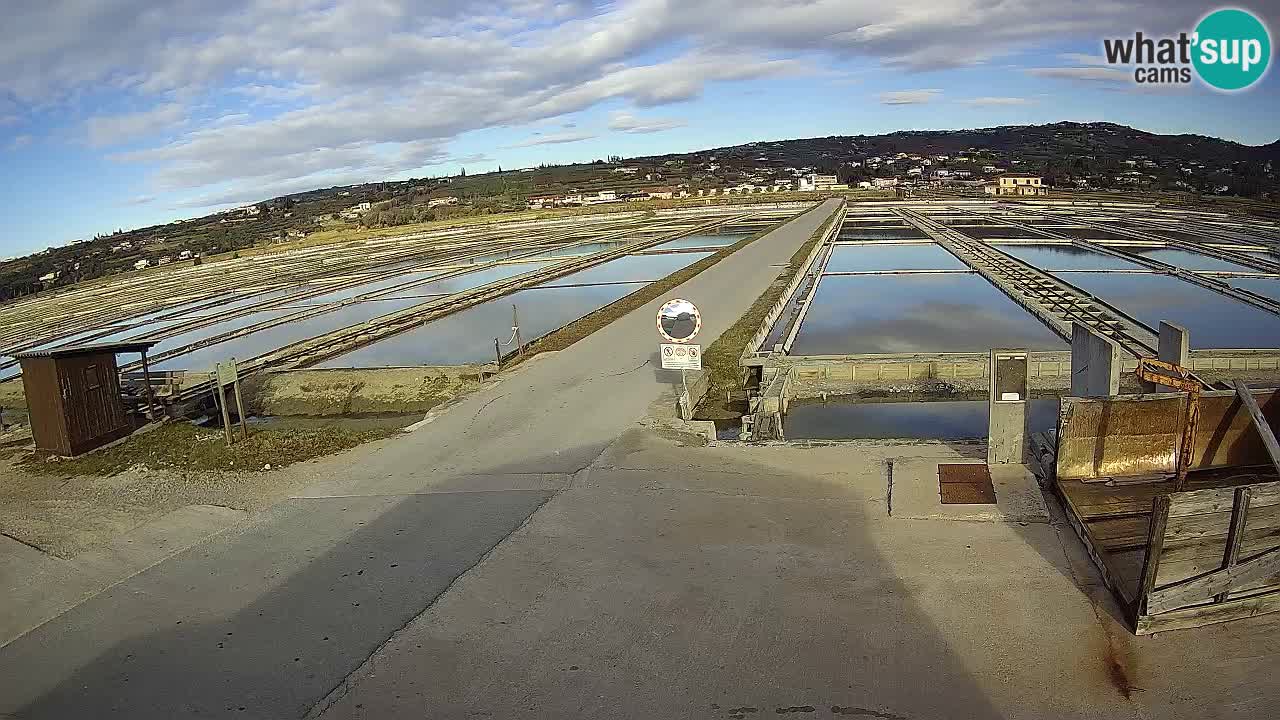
[(752, 582), (266, 621)]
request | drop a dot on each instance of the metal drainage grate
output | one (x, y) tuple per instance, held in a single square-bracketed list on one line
[(967, 484)]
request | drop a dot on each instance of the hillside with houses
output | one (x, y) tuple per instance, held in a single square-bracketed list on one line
[(1007, 160)]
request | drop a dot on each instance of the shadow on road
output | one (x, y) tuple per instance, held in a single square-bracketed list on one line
[(745, 592)]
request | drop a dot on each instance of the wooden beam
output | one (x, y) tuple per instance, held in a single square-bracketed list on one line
[(1200, 588), (1259, 422), (1155, 546), (1239, 515)]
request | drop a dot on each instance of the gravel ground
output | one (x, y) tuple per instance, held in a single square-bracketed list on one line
[(67, 507)]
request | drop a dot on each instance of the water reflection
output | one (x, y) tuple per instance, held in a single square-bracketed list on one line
[(886, 233), (1266, 287), (264, 341), (996, 231), (196, 335), (695, 241), (1066, 257), (1214, 320), (467, 336), (473, 279), (916, 313), (1188, 260), (942, 420), (929, 256)]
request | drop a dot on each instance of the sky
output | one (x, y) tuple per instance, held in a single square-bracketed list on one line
[(127, 113)]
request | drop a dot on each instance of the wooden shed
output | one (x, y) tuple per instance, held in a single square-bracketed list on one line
[(74, 397)]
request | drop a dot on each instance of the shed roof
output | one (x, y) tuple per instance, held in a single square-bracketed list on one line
[(90, 349)]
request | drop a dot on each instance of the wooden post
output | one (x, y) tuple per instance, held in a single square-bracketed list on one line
[(1259, 422), (497, 351), (221, 400), (515, 323), (146, 378), (1155, 546), (235, 381), (1239, 515)]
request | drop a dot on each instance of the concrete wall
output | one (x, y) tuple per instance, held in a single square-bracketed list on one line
[(320, 392), (1095, 363), (962, 372)]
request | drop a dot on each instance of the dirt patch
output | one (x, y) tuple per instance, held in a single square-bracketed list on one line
[(365, 391), (66, 507)]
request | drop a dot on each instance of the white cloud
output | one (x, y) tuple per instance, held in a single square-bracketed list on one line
[(908, 97), (1084, 59), (1090, 74), (20, 141), (140, 200), (992, 101), (351, 88), (628, 123), (553, 139), (106, 130)]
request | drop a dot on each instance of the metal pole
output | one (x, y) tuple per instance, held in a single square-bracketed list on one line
[(235, 380), (221, 400), (497, 351), (515, 323), (146, 378)]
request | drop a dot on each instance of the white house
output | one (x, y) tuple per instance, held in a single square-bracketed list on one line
[(441, 201), (142, 265)]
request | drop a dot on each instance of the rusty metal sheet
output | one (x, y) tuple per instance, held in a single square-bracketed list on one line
[(964, 473), (1129, 435), (965, 484)]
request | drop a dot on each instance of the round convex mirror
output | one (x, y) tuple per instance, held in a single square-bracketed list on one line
[(679, 320)]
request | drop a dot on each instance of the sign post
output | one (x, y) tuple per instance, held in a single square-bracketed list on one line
[(678, 323), (235, 381), (220, 399)]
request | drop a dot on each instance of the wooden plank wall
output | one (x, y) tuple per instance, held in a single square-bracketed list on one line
[(1218, 556)]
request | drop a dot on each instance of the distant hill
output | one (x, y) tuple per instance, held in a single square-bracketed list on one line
[(1059, 140), (1101, 155)]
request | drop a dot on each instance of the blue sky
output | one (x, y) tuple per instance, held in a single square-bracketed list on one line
[(125, 113)]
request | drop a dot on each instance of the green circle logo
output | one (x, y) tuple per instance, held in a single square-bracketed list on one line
[(1232, 49)]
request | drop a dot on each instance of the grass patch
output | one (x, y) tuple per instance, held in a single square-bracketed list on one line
[(590, 323), (182, 446), (721, 359)]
